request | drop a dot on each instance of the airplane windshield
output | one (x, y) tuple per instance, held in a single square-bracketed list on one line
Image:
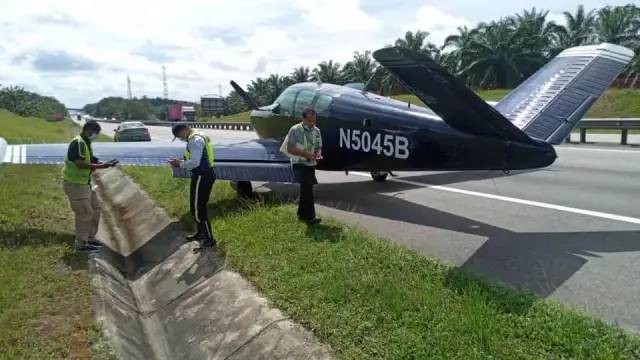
[(285, 100)]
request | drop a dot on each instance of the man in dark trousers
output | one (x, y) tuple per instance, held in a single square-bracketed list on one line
[(78, 166), (304, 142), (199, 159)]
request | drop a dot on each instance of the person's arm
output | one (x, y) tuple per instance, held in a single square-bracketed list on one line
[(75, 149), (318, 150), (293, 146), (196, 146)]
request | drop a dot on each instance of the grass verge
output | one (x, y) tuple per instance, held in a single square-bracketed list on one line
[(370, 299), (45, 293)]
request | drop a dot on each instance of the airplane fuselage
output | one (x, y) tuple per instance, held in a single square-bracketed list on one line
[(365, 131)]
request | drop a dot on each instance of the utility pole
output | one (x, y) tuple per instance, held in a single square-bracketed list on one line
[(165, 89), (129, 87)]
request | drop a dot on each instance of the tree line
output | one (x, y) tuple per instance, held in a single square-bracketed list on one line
[(26, 103), (143, 108), (498, 54)]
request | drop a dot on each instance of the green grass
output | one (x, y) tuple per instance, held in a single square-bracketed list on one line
[(614, 102), (45, 293), (370, 299), (239, 117), (29, 130)]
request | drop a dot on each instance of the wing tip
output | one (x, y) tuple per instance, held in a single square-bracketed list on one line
[(3, 150)]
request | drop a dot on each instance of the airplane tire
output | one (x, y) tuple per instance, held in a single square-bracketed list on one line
[(243, 188), (379, 176)]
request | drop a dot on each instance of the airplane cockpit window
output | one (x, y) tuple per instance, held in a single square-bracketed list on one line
[(285, 100), (304, 99), (322, 103)]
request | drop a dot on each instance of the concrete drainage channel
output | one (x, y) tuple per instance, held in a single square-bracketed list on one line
[(157, 299)]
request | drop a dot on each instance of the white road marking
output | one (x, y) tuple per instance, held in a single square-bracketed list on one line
[(597, 150), (539, 204)]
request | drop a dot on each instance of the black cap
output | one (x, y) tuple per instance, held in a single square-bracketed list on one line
[(177, 128)]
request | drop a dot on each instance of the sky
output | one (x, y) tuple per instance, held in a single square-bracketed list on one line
[(82, 51)]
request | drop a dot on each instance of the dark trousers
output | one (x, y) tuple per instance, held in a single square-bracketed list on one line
[(201, 185), (306, 176)]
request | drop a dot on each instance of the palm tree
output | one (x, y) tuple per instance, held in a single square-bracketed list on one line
[(300, 74), (578, 29), (458, 44), (416, 41), (498, 57), (619, 25), (328, 72), (534, 33), (260, 90), (361, 68), (276, 84)]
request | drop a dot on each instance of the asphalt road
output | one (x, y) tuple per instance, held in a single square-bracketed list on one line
[(570, 232)]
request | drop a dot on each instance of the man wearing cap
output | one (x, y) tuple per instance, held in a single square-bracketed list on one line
[(78, 166), (199, 159), (304, 141)]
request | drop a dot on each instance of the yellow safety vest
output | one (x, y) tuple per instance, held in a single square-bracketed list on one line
[(71, 172), (208, 149), (315, 141)]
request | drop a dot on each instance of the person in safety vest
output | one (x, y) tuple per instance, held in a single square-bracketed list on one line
[(304, 141), (78, 166), (199, 159)]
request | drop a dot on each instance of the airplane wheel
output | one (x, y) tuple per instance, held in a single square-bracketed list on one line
[(243, 188), (379, 176)]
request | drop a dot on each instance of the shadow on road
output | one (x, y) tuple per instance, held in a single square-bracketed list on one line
[(537, 262)]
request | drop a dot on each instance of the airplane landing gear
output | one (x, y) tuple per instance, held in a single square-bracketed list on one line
[(379, 176), (243, 188)]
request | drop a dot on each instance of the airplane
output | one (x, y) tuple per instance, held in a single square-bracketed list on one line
[(367, 132)]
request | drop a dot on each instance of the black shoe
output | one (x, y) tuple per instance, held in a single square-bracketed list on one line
[(195, 236), (95, 243), (88, 248), (313, 221), (209, 244)]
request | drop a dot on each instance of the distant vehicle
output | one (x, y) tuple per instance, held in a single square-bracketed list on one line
[(131, 131), (180, 112), (55, 117), (212, 104)]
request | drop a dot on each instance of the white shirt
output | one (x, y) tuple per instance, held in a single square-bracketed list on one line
[(196, 146)]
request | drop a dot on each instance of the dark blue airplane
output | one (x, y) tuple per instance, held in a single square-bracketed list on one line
[(367, 132)]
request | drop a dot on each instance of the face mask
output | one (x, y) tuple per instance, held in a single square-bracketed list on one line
[(92, 136)]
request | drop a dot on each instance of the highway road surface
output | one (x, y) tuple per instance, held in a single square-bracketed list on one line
[(570, 232)]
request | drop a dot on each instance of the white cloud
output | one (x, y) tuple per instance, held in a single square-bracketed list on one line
[(438, 23)]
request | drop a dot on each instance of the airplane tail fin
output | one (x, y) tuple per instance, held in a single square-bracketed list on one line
[(549, 104)]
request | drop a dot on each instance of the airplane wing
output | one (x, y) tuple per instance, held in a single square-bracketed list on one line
[(254, 160), (456, 104)]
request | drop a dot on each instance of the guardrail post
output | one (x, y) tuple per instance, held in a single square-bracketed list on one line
[(583, 135), (623, 137)]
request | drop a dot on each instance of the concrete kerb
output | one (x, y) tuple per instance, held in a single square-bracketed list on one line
[(157, 299)]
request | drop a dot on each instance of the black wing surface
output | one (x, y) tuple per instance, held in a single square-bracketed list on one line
[(253, 160), (456, 104)]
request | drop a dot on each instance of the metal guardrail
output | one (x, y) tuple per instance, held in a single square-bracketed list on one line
[(622, 124), (239, 126)]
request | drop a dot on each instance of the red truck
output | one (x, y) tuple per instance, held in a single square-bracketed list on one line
[(180, 112)]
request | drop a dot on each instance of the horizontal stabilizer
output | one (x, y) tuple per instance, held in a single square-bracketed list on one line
[(456, 104), (549, 104)]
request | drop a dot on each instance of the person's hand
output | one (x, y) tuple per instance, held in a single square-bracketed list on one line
[(318, 154), (309, 155), (174, 163)]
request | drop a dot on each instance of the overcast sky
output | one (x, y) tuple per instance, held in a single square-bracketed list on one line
[(81, 51)]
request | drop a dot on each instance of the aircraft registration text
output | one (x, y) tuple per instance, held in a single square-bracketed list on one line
[(387, 144)]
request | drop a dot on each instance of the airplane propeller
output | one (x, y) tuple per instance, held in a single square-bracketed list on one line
[(247, 99)]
